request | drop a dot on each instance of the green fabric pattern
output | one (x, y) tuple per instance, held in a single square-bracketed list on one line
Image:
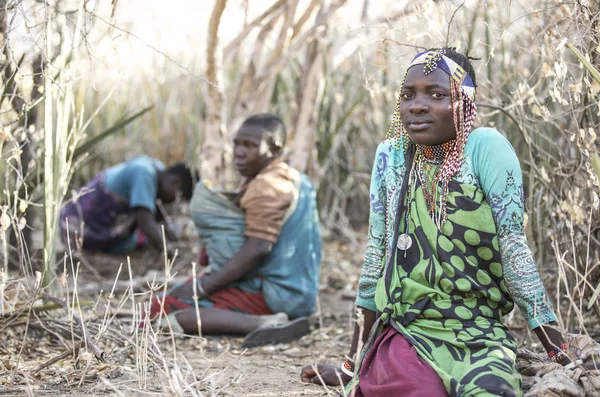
[(449, 290), (447, 294), (490, 164)]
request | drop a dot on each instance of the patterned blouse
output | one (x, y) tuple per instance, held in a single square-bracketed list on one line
[(490, 164)]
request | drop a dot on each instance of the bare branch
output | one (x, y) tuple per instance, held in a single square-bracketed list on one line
[(307, 13), (214, 100), (244, 33)]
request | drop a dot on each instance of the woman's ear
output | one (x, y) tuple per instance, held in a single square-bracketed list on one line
[(276, 150), (274, 146)]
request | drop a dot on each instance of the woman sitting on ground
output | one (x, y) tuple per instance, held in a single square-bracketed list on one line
[(117, 211), (447, 255)]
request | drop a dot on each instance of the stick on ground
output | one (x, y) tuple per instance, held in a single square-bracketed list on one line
[(74, 351), (99, 354)]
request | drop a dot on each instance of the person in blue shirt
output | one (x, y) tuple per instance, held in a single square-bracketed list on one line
[(116, 212)]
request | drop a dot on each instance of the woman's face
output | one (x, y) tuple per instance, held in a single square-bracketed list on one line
[(426, 107), (251, 152)]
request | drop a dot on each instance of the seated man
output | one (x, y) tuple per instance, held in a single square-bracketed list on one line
[(263, 246), (116, 212)]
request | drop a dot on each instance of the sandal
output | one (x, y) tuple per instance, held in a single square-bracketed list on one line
[(276, 334)]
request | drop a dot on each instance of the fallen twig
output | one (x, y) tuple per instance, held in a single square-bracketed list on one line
[(74, 351), (99, 354)]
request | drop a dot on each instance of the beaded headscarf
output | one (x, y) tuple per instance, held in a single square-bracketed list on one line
[(462, 89)]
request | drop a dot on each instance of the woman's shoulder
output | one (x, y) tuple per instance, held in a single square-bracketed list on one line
[(275, 179), (391, 150), (487, 139), (485, 134), (145, 163)]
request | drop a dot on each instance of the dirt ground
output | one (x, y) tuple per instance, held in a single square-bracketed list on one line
[(211, 366), (35, 358)]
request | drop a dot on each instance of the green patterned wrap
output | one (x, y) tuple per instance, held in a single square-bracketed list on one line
[(448, 292)]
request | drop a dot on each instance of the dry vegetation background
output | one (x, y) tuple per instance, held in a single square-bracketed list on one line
[(86, 84)]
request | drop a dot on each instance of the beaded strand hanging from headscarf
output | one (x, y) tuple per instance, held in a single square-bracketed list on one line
[(464, 111)]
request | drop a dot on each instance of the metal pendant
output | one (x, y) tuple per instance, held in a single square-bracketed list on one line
[(404, 242)]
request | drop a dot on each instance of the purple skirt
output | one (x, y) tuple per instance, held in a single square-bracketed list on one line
[(393, 368), (97, 219)]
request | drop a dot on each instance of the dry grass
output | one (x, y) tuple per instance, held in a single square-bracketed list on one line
[(96, 341), (333, 78)]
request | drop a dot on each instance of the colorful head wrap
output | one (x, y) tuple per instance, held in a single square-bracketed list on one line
[(434, 59), (462, 87)]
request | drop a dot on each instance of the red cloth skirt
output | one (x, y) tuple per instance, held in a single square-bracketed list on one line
[(393, 368), (231, 298)]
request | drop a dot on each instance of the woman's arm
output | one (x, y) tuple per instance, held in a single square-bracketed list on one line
[(498, 170), (146, 221), (377, 238), (250, 256), (361, 332)]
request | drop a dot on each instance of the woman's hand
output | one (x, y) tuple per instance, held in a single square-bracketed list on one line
[(330, 374), (173, 231), (186, 291)]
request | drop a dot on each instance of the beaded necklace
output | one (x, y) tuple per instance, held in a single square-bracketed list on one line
[(429, 161), (444, 161)]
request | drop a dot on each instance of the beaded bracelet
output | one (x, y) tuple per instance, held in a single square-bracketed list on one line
[(558, 353), (348, 368)]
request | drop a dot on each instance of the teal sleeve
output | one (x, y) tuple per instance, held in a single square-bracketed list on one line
[(497, 168), (375, 250), (143, 187)]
